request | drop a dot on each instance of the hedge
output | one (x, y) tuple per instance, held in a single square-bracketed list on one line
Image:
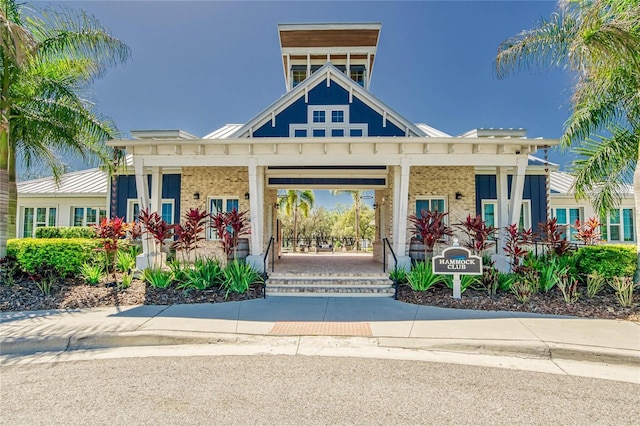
[(65, 232), (63, 255), (608, 260)]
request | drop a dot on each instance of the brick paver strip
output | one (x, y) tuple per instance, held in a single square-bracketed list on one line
[(310, 328)]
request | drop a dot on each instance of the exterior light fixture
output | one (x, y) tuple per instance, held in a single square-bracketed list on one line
[(196, 195), (459, 195), (246, 195)]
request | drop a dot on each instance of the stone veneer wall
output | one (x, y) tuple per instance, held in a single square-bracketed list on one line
[(440, 181), (232, 182)]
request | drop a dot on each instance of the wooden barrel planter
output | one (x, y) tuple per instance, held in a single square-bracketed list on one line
[(416, 250)]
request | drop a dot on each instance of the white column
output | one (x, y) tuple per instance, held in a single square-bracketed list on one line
[(400, 219), (261, 206), (395, 203), (502, 216), (517, 189), (142, 188), (156, 189), (254, 206)]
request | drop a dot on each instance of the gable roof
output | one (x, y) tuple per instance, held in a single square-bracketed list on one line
[(91, 181), (327, 71)]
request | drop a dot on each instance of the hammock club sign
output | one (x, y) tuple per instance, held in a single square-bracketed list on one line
[(457, 261)]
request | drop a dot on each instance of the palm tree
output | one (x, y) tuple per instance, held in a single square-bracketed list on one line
[(47, 64), (294, 201), (357, 196), (599, 41)]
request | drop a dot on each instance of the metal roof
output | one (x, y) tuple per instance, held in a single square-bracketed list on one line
[(562, 183), (432, 131), (92, 181), (223, 132)]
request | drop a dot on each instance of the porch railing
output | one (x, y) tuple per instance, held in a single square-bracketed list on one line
[(265, 275), (385, 244)]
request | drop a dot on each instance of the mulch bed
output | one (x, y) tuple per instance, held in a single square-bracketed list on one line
[(605, 305), (75, 294)]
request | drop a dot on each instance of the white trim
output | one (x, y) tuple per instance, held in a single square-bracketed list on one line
[(132, 201), (569, 223), (22, 221), (224, 198), (621, 225), (526, 211), (72, 215), (328, 125)]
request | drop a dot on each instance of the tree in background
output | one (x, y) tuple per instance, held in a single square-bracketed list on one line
[(357, 196), (295, 201), (47, 63), (599, 41), (344, 225)]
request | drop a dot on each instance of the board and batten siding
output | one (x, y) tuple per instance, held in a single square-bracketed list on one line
[(126, 189)]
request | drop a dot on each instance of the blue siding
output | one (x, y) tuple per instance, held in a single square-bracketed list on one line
[(534, 190), (359, 112), (126, 189)]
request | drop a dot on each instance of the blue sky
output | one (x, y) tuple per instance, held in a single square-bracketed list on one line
[(199, 65)]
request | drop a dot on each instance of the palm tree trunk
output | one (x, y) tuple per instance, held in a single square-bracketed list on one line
[(295, 228), (4, 186), (636, 192)]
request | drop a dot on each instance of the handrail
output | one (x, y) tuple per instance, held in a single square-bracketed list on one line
[(385, 240), (264, 268)]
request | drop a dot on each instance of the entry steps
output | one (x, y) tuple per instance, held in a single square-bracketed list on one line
[(330, 285)]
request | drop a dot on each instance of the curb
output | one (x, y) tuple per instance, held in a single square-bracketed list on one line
[(508, 348)]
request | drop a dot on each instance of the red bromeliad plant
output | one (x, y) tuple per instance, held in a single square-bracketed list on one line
[(553, 235), (156, 227), (230, 226), (589, 231), (189, 233), (110, 231), (515, 245), (430, 227), (478, 232)]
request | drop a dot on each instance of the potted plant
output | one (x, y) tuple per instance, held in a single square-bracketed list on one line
[(430, 227)]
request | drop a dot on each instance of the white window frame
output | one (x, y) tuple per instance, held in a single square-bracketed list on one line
[(225, 198), (131, 202), (35, 222), (98, 209), (621, 225), (328, 125), (525, 210), (571, 233)]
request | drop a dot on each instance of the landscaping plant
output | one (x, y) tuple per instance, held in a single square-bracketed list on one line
[(238, 277), (553, 236), (91, 273), (588, 232), (159, 231), (157, 277), (125, 261), (127, 278), (229, 227), (203, 274), (515, 245), (466, 281), (549, 273), (480, 235), (506, 280), (608, 260), (522, 290), (490, 279), (624, 290), (422, 278), (569, 288), (595, 283), (110, 232), (64, 256), (430, 227), (398, 275), (190, 232)]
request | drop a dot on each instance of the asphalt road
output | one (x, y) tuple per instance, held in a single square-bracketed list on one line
[(283, 390)]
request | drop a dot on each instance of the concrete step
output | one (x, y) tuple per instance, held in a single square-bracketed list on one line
[(330, 286)]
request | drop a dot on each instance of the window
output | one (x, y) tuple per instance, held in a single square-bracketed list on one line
[(567, 216), (328, 121), (431, 204), (166, 210), (357, 74), (318, 116), (35, 217), (618, 226), (298, 73), (337, 116), (217, 205), (490, 213), (87, 216)]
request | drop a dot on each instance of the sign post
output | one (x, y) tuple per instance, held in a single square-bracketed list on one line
[(457, 261)]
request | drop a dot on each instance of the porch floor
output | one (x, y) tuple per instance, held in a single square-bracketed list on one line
[(313, 264)]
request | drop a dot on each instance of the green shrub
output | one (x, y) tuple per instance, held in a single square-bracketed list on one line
[(422, 278), (398, 275), (238, 277), (125, 261), (92, 274), (157, 277), (204, 274), (608, 260), (65, 232), (64, 256)]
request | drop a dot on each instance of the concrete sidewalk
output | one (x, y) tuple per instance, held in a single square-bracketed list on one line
[(387, 322)]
